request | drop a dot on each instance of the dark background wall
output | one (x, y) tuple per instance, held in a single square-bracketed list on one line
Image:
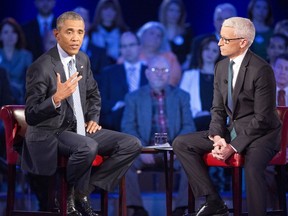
[(137, 12)]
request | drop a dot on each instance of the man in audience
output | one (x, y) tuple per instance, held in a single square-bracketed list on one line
[(243, 120), (221, 12), (36, 29), (117, 80), (157, 107)]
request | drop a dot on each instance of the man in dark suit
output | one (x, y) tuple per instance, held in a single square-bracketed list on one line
[(244, 120), (62, 112), (36, 29), (118, 80)]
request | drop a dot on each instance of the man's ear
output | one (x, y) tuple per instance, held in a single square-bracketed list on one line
[(243, 43)]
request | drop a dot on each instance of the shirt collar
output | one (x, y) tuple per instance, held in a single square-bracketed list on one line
[(65, 58), (238, 60), (42, 19)]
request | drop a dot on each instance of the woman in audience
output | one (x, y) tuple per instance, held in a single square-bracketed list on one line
[(153, 40), (107, 27), (260, 13), (13, 57), (172, 15)]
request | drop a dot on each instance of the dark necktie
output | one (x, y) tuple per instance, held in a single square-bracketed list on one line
[(281, 98), (230, 85), (230, 98), (78, 112)]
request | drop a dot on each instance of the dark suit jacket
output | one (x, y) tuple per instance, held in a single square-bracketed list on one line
[(254, 116), (113, 88), (33, 37), (44, 121), (5, 89)]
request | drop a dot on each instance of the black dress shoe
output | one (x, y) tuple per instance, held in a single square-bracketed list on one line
[(211, 209), (82, 205), (71, 210), (140, 211), (179, 211)]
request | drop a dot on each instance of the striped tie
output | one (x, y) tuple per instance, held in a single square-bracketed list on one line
[(78, 112), (133, 82)]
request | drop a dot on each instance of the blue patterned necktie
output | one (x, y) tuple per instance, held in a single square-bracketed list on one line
[(133, 84), (77, 107)]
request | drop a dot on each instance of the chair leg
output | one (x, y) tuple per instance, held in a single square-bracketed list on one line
[(122, 198), (191, 201), (237, 190), (11, 189), (281, 189), (104, 202)]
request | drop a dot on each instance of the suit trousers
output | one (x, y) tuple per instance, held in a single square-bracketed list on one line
[(121, 149), (190, 148), (133, 188)]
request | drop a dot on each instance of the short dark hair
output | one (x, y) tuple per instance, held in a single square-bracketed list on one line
[(282, 56)]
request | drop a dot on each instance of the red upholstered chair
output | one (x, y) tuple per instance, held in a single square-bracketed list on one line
[(15, 127), (236, 162)]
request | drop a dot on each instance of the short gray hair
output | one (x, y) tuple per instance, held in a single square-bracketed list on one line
[(69, 15), (243, 27)]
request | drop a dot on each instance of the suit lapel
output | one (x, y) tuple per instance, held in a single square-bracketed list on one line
[(241, 78)]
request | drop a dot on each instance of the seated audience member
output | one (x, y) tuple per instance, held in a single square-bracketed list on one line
[(247, 101), (14, 58), (198, 82), (260, 13), (278, 44), (36, 29), (119, 79), (281, 75), (172, 14), (281, 27), (107, 26), (157, 107), (221, 12), (97, 55), (62, 112), (154, 42)]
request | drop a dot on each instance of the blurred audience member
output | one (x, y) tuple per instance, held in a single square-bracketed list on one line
[(119, 79), (281, 76), (154, 42), (107, 26), (157, 107), (13, 57), (97, 55), (260, 13), (278, 44), (281, 27), (221, 12), (36, 29), (198, 82), (172, 15), (49, 40)]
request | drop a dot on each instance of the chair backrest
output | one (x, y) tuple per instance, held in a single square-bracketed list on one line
[(280, 157), (13, 117)]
